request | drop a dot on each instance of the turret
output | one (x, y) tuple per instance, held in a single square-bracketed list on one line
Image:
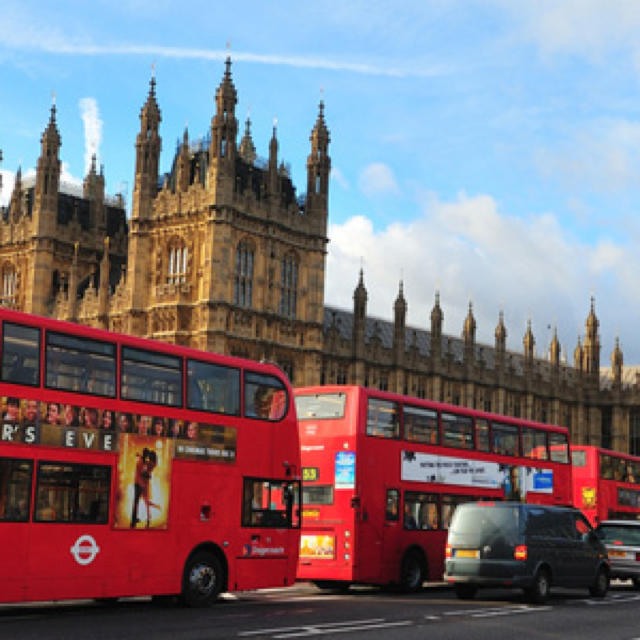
[(436, 327), (528, 342), (359, 315), (273, 163), (399, 323), (45, 206), (591, 348), (148, 146), (224, 126), (247, 149), (318, 167), (554, 349), (501, 336), (183, 176), (616, 364)]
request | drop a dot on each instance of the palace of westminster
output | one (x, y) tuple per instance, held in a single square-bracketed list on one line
[(221, 254)]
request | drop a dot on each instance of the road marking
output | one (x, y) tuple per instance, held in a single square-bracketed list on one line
[(326, 628), (508, 612)]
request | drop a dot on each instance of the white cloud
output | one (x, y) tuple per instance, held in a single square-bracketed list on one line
[(589, 28), (377, 179), (469, 249), (8, 179), (92, 130), (338, 176)]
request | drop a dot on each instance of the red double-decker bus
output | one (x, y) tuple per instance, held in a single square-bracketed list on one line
[(383, 473), (606, 484), (130, 467)]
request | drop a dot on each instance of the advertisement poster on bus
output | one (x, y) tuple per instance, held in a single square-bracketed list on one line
[(345, 470), (515, 480), (317, 547), (144, 482)]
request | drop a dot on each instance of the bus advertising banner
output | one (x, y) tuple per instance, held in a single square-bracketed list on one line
[(516, 480)]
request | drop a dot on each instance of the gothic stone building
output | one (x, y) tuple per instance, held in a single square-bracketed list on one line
[(221, 254)]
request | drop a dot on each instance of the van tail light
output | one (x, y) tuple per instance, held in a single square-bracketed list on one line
[(520, 552), (447, 551), (637, 557)]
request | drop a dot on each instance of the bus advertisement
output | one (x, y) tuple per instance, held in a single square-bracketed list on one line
[(130, 467), (382, 474), (606, 484)]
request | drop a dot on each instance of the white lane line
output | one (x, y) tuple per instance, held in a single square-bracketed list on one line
[(508, 612), (319, 626), (313, 631), (472, 612)]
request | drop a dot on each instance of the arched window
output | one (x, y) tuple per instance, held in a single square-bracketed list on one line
[(177, 264), (9, 279), (288, 286), (243, 280)]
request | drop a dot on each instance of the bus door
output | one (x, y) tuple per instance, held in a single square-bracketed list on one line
[(270, 510), (15, 499)]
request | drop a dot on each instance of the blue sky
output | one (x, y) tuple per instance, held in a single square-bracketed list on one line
[(490, 150)]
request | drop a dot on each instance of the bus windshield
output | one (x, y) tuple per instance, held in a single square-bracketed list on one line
[(320, 406)]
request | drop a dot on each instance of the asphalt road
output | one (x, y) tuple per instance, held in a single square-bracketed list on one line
[(305, 612)]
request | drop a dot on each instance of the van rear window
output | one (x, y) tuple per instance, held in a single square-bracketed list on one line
[(478, 525)]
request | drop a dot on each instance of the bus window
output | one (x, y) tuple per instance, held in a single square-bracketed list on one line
[(151, 377), (15, 489), (559, 447), (213, 388), (482, 434), (382, 419), (80, 364), (320, 406), (421, 509), (578, 458), (606, 467), (505, 439), (420, 425), (392, 505), (270, 503), (534, 443), (20, 354), (265, 396), (317, 494), (457, 431), (68, 492), (619, 469)]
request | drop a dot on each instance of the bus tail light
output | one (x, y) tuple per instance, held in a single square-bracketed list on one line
[(447, 551), (637, 556), (520, 552)]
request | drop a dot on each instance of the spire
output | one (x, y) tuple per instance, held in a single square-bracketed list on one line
[(273, 160), (577, 356), (318, 165), (501, 334), (591, 349), (247, 148), (183, 176), (360, 297), (528, 342), (436, 320), (554, 349), (469, 329), (15, 206), (224, 126), (400, 306), (616, 363), (400, 315), (148, 146)]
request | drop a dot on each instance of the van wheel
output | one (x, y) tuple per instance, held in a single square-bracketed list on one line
[(202, 580), (411, 572), (538, 593), (601, 584), (636, 582), (465, 591)]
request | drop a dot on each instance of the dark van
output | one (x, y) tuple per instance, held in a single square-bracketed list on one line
[(534, 547)]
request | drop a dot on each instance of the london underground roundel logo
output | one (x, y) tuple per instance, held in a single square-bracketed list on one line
[(85, 550)]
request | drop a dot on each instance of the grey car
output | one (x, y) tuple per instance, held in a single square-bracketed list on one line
[(533, 547), (622, 540)]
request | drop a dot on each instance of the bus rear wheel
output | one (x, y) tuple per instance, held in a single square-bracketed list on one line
[(411, 572), (202, 580)]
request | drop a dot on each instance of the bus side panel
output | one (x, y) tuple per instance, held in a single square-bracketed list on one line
[(15, 544)]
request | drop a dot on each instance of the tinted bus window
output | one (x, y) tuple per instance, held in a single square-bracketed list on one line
[(579, 458), (392, 505), (482, 435), (382, 419), (505, 439), (15, 489), (320, 406), (80, 364), (317, 494), (457, 431), (20, 354), (558, 447), (270, 503), (265, 396), (68, 492), (151, 377), (420, 425), (421, 509), (211, 387), (534, 444)]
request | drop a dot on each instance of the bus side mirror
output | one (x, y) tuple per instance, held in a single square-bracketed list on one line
[(355, 502)]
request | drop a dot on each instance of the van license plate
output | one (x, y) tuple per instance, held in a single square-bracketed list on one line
[(467, 553), (617, 554)]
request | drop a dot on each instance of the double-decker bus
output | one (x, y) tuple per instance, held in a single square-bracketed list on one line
[(130, 467), (382, 475), (606, 484)]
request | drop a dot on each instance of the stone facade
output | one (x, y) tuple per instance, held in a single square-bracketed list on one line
[(221, 254)]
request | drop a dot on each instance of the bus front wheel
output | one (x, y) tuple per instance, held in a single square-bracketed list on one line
[(202, 581), (412, 572)]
